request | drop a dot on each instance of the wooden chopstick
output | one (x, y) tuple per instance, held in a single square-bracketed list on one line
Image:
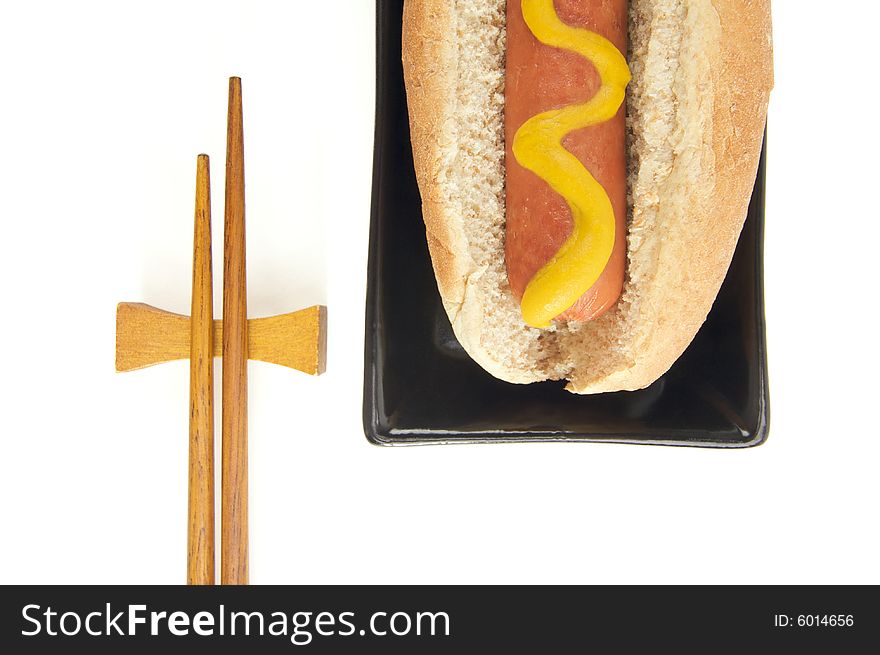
[(234, 492), (200, 529)]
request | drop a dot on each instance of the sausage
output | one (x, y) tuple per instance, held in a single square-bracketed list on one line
[(539, 78)]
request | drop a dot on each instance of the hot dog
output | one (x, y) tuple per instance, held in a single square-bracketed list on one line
[(539, 219), (585, 168)]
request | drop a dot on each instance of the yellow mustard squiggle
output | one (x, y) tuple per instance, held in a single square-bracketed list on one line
[(537, 146)]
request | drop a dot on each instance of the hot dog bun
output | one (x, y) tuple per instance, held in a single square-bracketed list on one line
[(696, 110)]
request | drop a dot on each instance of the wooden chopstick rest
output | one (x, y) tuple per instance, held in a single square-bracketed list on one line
[(146, 336)]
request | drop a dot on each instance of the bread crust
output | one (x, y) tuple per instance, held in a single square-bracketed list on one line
[(688, 204), (428, 54)]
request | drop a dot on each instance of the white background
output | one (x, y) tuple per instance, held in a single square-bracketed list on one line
[(103, 108)]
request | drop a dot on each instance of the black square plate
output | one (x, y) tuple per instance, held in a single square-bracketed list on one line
[(420, 387)]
